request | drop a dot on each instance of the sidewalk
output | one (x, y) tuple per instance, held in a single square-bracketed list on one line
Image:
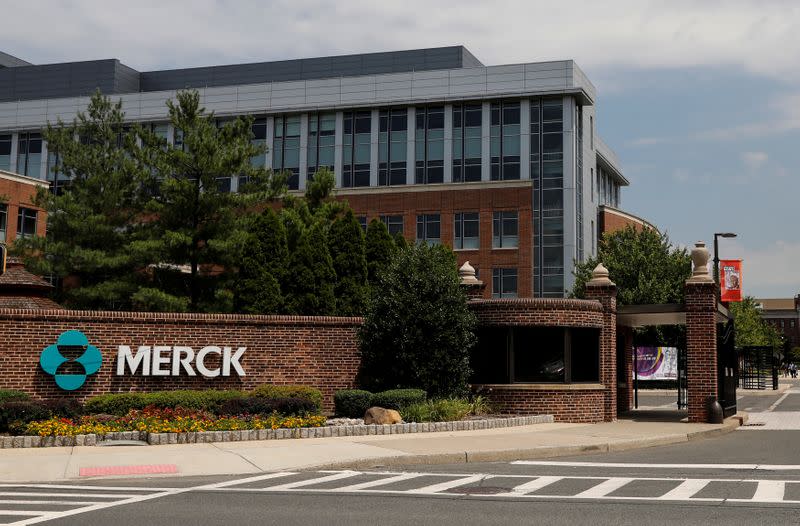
[(242, 458)]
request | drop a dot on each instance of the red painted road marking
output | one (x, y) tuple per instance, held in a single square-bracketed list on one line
[(144, 469)]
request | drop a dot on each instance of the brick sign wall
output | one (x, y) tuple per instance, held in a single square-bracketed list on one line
[(317, 351)]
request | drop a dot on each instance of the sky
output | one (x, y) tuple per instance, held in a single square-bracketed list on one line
[(700, 100)]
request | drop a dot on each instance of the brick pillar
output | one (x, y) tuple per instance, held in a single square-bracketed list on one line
[(605, 291), (625, 387), (701, 336)]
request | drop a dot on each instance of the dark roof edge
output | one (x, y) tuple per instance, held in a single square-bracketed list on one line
[(10, 61)]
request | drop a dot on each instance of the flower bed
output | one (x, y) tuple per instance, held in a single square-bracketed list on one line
[(154, 420)]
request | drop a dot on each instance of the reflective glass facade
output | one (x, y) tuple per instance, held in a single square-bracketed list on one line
[(505, 140), (429, 145), (356, 149), (286, 148), (467, 142), (392, 146)]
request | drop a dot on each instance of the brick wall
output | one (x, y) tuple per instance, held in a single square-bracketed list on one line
[(484, 199), (317, 351), (566, 402), (611, 220), (701, 348), (19, 192), (584, 405)]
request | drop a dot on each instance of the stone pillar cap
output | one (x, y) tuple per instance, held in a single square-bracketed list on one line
[(600, 277), (467, 275), (700, 272)]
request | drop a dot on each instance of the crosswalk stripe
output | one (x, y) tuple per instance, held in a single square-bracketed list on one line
[(530, 487), (310, 482), (25, 513), (450, 484), (71, 494), (770, 491), (604, 488), (381, 482), (248, 480), (685, 489), (50, 501)]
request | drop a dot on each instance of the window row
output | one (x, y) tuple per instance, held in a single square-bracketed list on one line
[(466, 229), (26, 222)]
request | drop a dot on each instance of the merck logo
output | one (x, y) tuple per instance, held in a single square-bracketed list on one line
[(70, 354)]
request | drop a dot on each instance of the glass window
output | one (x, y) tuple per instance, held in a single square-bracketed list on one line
[(467, 226), (362, 220), (29, 154), (3, 221), (321, 142), (259, 139), (429, 229), (356, 150), (548, 197), (286, 149), (26, 222), (505, 140), (394, 224), (467, 142), (429, 145), (504, 283), (505, 230), (5, 152), (392, 146)]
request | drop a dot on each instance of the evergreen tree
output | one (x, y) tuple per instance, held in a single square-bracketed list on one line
[(308, 287), (93, 224), (380, 247), (263, 266), (418, 330), (346, 245), (196, 233)]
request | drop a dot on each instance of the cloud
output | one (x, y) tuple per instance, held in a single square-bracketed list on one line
[(769, 271), (152, 34), (754, 160)]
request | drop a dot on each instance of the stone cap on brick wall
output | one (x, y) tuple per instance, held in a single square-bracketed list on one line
[(539, 304)]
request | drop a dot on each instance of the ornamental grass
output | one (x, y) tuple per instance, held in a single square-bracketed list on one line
[(155, 420)]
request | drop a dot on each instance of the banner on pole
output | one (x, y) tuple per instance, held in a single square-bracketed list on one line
[(657, 363), (730, 279)]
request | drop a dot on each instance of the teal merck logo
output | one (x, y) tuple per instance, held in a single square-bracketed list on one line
[(71, 360)]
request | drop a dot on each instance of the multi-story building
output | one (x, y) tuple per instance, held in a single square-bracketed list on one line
[(503, 163), (784, 315), (20, 216)]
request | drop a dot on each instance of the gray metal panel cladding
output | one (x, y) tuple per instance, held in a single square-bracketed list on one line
[(10, 61), (71, 79)]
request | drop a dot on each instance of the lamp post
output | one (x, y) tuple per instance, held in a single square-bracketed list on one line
[(716, 255)]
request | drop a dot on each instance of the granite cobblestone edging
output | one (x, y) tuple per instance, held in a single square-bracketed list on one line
[(204, 437)]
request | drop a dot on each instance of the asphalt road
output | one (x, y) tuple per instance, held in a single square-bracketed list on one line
[(750, 476)]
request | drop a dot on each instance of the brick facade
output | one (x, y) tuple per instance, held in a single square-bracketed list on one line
[(463, 197), (318, 351), (701, 348), (610, 220), (18, 191), (579, 402)]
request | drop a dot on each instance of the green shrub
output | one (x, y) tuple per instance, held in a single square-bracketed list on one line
[(290, 391), (121, 403), (352, 403), (16, 415), (440, 410), (398, 398), (254, 405), (9, 395)]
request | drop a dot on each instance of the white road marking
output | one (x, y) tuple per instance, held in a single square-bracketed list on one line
[(760, 467), (770, 491), (450, 484), (85, 487), (685, 490), (310, 482), (63, 494), (604, 488), (381, 482), (50, 501), (247, 480), (777, 403), (529, 487), (26, 513)]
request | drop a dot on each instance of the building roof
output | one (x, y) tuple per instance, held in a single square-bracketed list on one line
[(768, 304), (24, 179), (19, 289), (74, 79), (28, 303), (10, 61)]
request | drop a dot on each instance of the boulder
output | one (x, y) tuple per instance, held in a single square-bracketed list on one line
[(379, 415)]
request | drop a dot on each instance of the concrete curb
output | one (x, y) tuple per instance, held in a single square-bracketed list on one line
[(206, 437), (542, 452)]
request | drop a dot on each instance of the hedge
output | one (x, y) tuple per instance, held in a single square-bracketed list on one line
[(352, 403), (398, 398), (290, 391), (121, 403), (254, 405), (9, 395), (16, 415)]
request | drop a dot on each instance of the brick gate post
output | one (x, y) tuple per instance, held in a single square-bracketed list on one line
[(625, 388), (701, 336), (605, 291)]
